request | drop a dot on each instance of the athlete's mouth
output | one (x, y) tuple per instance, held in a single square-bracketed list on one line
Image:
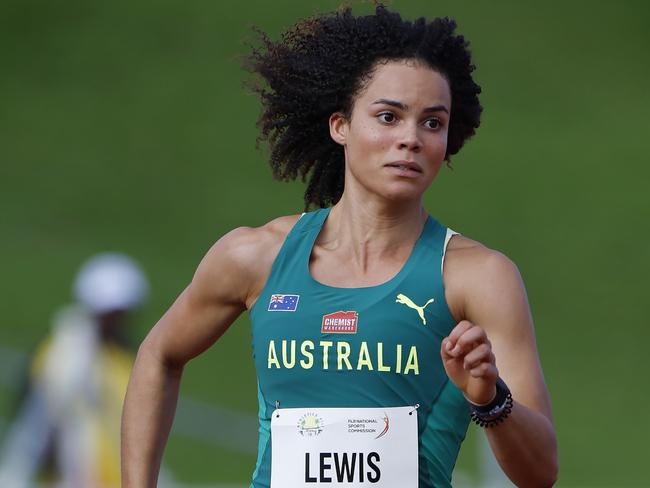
[(405, 165)]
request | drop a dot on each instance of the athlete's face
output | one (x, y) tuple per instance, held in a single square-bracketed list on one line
[(396, 138)]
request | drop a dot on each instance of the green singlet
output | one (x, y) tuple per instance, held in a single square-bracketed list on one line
[(321, 346)]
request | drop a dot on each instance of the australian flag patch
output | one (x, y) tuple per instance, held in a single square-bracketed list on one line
[(283, 303)]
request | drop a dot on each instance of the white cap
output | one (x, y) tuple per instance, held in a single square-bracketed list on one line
[(110, 281)]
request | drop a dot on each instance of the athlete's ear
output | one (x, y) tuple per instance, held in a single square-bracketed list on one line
[(339, 128)]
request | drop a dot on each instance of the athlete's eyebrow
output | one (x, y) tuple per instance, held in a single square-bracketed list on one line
[(436, 108), (403, 106), (392, 103)]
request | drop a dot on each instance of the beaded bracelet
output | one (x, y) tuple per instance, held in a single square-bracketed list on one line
[(497, 410)]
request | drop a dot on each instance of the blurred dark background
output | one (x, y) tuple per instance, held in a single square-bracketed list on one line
[(124, 126)]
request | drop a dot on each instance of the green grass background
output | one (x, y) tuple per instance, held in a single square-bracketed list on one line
[(124, 126)]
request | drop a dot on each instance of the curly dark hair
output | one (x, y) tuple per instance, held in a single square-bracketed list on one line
[(319, 66)]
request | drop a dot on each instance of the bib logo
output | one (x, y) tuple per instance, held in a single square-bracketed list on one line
[(340, 323), (386, 426), (310, 425), (370, 426)]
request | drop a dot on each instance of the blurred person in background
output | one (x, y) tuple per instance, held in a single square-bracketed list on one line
[(354, 319), (77, 381)]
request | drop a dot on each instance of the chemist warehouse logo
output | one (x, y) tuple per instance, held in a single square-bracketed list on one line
[(340, 323)]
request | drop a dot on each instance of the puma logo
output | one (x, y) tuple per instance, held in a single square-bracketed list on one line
[(401, 298)]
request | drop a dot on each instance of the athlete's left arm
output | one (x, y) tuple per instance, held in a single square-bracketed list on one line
[(496, 338)]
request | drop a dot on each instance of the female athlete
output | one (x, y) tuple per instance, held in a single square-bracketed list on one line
[(377, 332)]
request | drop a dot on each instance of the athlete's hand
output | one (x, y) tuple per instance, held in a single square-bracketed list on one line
[(469, 362)]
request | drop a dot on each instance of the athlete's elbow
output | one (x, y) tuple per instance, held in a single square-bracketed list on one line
[(545, 475), (552, 466), (545, 462), (547, 481), (536, 470), (152, 356), (552, 472)]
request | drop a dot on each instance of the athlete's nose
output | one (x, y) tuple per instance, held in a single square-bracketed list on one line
[(409, 138)]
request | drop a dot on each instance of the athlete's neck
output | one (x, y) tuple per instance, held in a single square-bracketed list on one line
[(369, 231)]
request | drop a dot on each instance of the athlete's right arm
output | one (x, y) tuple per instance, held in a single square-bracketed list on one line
[(227, 279)]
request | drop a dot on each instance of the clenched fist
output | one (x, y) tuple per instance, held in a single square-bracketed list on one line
[(469, 362)]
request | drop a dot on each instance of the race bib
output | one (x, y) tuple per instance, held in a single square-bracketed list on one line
[(351, 447)]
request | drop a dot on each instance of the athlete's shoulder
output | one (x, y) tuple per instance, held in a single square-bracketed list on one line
[(250, 252), (248, 244), (470, 255), (240, 258), (279, 227), (474, 271)]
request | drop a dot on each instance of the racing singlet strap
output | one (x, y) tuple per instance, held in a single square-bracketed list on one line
[(317, 348)]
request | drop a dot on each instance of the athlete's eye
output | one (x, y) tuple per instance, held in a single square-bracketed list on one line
[(433, 123), (387, 117)]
